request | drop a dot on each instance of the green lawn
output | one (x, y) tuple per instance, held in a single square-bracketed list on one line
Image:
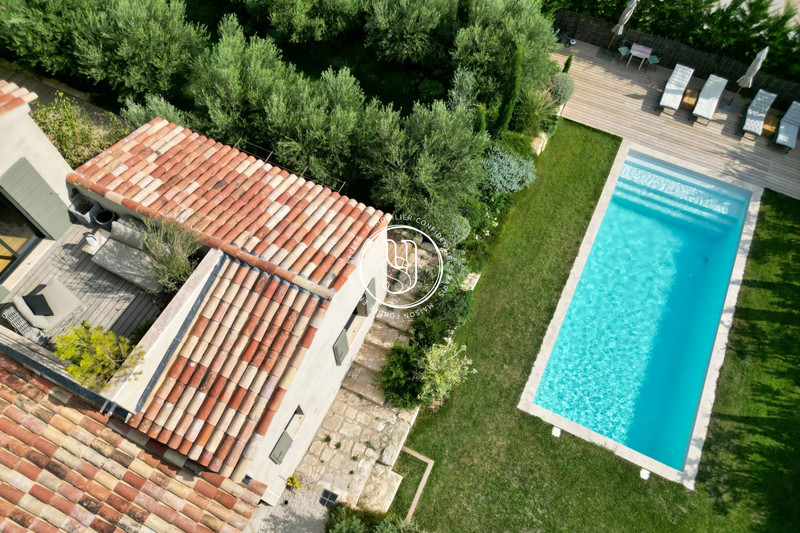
[(499, 469)]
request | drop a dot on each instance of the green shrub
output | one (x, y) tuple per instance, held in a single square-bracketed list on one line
[(140, 331), (430, 90), (534, 112), (400, 376), (517, 143), (568, 62), (507, 172), (70, 129), (95, 354), (443, 367), (427, 331), (172, 248), (154, 106), (562, 87)]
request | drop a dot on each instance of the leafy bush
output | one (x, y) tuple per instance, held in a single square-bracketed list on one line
[(443, 367), (535, 112), (140, 331), (154, 106), (70, 129), (507, 172), (400, 376), (95, 354), (172, 248), (516, 143), (562, 88)]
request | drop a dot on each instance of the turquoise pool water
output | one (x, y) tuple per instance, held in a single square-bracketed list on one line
[(631, 356)]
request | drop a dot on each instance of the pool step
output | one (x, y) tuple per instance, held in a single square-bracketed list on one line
[(642, 166), (674, 207)]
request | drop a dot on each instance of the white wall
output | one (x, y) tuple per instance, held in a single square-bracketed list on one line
[(318, 378), (21, 137)]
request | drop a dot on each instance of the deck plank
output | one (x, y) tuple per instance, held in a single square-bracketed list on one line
[(624, 101)]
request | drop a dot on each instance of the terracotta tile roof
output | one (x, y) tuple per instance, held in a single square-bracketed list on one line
[(289, 244), (229, 376), (65, 467), (246, 207), (12, 96)]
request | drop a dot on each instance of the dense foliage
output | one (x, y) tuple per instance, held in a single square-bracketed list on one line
[(136, 47), (426, 370), (410, 30), (424, 160), (737, 30), (305, 20), (496, 30), (72, 132), (94, 354)]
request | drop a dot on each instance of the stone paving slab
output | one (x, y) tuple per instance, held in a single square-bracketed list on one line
[(383, 335), (380, 489), (371, 357), (365, 383)]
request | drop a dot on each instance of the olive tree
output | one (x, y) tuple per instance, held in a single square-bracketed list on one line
[(496, 30)]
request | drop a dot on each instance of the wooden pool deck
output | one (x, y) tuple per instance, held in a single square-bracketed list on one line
[(623, 101)]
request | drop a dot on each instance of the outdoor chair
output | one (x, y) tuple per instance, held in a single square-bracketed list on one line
[(787, 131), (757, 112), (676, 85), (52, 309), (709, 98), (654, 58), (624, 49)]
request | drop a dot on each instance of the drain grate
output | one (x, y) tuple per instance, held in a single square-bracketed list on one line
[(328, 498)]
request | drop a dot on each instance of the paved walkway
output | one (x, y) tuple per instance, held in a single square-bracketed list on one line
[(357, 444)]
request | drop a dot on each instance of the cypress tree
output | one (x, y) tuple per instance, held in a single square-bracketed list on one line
[(510, 94), (568, 63)]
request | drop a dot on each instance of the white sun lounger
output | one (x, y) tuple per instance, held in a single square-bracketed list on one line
[(787, 131), (676, 85), (757, 112), (709, 98)]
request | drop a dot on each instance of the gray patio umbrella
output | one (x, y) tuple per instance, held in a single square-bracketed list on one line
[(619, 27), (747, 79)]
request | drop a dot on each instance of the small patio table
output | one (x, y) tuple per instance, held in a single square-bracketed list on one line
[(641, 51)]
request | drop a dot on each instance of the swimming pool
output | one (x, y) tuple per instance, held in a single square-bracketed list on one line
[(631, 355)]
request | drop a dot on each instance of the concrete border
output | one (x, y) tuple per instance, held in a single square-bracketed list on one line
[(703, 415), (429, 466)]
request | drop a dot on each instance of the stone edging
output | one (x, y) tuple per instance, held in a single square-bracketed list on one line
[(429, 462)]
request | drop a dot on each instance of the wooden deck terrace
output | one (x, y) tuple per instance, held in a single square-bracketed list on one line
[(624, 101), (110, 301)]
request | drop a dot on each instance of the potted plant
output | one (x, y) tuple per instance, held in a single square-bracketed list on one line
[(83, 209)]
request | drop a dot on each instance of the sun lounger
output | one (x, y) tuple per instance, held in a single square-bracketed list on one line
[(676, 85), (787, 131), (757, 112), (709, 98)]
